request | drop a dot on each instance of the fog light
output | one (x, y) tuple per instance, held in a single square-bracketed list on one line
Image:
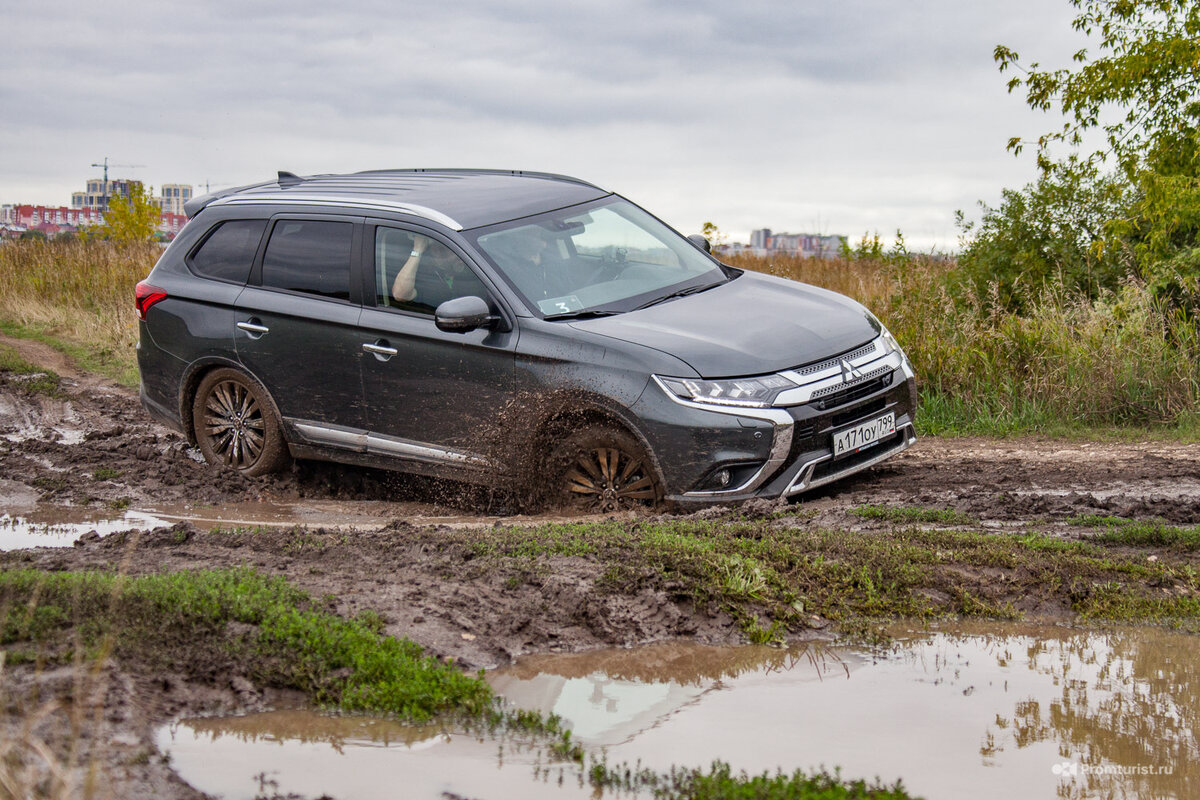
[(722, 478)]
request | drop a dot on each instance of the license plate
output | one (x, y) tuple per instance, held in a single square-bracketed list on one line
[(863, 435)]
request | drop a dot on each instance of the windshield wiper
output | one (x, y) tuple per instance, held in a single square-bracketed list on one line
[(679, 293), (591, 312)]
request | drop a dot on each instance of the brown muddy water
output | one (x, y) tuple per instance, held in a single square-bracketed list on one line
[(41, 525), (981, 711)]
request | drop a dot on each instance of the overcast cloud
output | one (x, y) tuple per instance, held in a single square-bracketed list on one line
[(803, 117)]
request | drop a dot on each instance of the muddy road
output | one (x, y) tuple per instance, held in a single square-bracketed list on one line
[(94, 447), (405, 548)]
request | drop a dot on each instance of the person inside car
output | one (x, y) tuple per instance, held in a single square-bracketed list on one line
[(432, 275)]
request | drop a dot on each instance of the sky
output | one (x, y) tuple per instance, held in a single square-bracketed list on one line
[(809, 116)]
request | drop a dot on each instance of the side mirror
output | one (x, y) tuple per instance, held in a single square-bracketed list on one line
[(463, 314), (700, 242)]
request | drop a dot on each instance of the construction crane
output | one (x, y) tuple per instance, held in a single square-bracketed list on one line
[(106, 165)]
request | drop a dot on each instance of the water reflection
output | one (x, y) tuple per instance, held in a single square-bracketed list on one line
[(610, 696), (1126, 698), (970, 711), (60, 527)]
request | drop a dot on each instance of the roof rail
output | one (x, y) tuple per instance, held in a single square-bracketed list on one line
[(552, 176)]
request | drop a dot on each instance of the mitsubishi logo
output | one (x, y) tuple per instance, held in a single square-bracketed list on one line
[(849, 373)]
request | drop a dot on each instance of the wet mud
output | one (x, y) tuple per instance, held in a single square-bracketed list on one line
[(371, 539)]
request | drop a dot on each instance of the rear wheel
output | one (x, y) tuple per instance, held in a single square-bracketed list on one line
[(236, 425), (604, 469)]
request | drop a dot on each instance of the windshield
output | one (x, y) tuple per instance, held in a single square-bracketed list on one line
[(604, 257)]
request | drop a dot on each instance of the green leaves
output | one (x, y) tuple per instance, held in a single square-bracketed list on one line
[(1143, 84)]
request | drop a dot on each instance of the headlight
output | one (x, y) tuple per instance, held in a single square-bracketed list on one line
[(753, 392), (889, 342)]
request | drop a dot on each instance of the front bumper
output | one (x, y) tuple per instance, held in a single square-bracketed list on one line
[(792, 451)]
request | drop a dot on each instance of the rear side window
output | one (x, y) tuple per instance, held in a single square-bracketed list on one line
[(229, 250), (309, 256)]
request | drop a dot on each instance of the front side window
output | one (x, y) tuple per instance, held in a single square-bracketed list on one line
[(309, 256), (418, 273), (604, 257), (229, 250)]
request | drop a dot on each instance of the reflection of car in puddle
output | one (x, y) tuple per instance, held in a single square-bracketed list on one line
[(608, 697), (972, 710)]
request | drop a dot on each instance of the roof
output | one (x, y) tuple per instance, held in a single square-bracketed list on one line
[(456, 198)]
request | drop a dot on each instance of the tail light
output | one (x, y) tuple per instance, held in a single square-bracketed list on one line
[(146, 296)]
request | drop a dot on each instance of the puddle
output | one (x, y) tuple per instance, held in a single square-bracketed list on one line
[(985, 711), (1175, 489), (60, 527), (27, 523)]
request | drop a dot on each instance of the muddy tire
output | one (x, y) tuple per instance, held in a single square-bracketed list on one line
[(601, 469), (236, 424)]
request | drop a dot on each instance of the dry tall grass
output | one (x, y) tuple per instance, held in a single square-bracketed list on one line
[(79, 291), (1068, 361)]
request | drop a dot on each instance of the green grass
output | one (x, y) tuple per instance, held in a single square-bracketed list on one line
[(1141, 533), (29, 376), (117, 364), (720, 783), (771, 575), (913, 515), (181, 621)]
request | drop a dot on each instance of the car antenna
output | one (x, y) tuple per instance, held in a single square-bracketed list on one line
[(289, 178)]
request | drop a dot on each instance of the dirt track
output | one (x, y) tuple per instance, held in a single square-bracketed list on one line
[(96, 448), (51, 449)]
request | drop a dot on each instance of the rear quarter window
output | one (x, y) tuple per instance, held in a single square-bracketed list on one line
[(228, 252), (309, 256)]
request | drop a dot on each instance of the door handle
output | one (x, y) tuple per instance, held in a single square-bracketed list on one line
[(252, 328), (380, 350)]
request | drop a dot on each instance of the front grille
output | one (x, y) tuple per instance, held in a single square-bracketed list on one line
[(875, 381), (831, 363)]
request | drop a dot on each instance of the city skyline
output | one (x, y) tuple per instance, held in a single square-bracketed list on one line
[(860, 118)]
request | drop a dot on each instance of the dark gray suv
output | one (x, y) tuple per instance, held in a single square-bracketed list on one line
[(480, 325)]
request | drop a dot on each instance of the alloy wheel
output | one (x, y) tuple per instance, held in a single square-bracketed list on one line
[(610, 479), (233, 421)]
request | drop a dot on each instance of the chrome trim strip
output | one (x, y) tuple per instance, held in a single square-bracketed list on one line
[(319, 200), (365, 442), (831, 380), (391, 446), (802, 482), (781, 441), (340, 437)]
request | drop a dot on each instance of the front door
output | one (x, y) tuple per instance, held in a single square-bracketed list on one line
[(431, 396)]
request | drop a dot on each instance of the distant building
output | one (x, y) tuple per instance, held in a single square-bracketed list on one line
[(49, 219), (95, 196), (18, 218), (173, 196), (806, 245)]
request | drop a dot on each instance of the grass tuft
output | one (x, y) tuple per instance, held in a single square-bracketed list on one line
[(913, 515)]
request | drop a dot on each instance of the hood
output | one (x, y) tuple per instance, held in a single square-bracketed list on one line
[(752, 325)]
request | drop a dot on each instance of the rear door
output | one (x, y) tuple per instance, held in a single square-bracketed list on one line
[(297, 324), (430, 396)]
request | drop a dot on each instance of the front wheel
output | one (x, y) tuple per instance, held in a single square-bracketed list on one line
[(603, 469), (236, 425)]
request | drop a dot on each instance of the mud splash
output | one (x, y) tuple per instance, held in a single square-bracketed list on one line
[(970, 711)]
